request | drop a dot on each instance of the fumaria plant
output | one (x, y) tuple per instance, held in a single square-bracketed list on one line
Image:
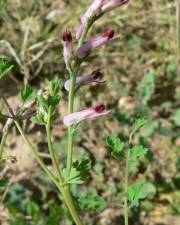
[(41, 107)]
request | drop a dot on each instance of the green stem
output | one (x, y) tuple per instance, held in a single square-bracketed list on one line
[(70, 204), (178, 35), (35, 154), (51, 150), (73, 76), (70, 110), (126, 221), (126, 208), (85, 31), (3, 140)]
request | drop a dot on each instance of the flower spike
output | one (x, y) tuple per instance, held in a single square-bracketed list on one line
[(84, 51), (76, 117), (95, 76)]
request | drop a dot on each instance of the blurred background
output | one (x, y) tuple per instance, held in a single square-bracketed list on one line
[(140, 68)]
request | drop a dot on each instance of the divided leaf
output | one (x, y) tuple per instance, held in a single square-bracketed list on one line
[(137, 152), (28, 94), (116, 146), (136, 193), (5, 68), (78, 173), (139, 123), (54, 86), (92, 201)]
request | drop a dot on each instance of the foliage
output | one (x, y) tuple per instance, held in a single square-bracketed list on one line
[(5, 68), (79, 172), (92, 201), (136, 193), (116, 146)]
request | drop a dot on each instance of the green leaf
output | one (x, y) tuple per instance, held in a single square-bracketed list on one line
[(41, 116), (18, 220), (83, 167), (79, 172), (137, 152), (147, 87), (33, 210), (28, 94), (56, 214), (54, 101), (92, 201), (139, 123), (54, 86), (116, 146), (136, 193), (5, 68)]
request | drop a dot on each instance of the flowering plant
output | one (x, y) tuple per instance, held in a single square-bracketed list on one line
[(41, 108)]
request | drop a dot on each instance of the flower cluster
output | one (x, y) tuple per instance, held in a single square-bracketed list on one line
[(95, 11)]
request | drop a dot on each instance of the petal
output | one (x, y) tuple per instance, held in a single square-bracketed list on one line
[(110, 5), (77, 117), (95, 76), (84, 51)]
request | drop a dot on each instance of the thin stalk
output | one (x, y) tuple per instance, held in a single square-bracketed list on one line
[(3, 141), (126, 220), (178, 35), (126, 208), (35, 154), (51, 150), (70, 110)]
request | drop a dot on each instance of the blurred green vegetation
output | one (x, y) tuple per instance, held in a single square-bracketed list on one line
[(142, 81)]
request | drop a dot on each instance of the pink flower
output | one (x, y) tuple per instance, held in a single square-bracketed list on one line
[(110, 5), (84, 51), (95, 76), (76, 117), (67, 43), (93, 10)]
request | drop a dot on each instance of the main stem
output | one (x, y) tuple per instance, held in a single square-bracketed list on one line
[(126, 221), (70, 110), (73, 76)]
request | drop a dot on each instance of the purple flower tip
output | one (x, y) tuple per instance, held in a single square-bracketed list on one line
[(67, 37), (109, 33), (97, 74), (99, 108)]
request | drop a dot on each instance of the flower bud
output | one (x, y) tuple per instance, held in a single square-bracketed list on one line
[(76, 117), (95, 76), (84, 51), (67, 51)]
